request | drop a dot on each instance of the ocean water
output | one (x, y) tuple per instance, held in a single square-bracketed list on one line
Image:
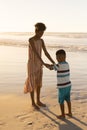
[(69, 41), (14, 56)]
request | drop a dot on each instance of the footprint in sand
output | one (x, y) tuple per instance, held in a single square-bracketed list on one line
[(2, 123), (49, 125), (25, 119), (22, 117)]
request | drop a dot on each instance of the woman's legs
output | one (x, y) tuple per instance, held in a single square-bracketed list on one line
[(32, 100), (32, 97), (38, 90)]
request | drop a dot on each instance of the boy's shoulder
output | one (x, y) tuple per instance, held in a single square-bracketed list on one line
[(64, 62), (56, 64), (64, 65)]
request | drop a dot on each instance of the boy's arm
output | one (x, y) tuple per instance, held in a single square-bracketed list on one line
[(52, 67), (55, 67), (49, 66)]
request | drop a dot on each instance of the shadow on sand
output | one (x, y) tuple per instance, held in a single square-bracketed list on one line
[(67, 125)]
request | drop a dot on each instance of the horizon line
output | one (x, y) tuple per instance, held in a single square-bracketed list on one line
[(33, 32)]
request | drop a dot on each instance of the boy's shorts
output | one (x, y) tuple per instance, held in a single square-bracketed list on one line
[(64, 94)]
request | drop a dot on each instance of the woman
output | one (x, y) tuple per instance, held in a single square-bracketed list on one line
[(35, 64)]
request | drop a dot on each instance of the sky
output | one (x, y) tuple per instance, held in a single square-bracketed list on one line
[(58, 15)]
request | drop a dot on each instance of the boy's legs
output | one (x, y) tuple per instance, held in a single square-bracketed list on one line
[(61, 102), (62, 110), (69, 108), (68, 101)]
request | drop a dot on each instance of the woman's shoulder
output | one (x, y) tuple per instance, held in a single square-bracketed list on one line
[(42, 40), (31, 39)]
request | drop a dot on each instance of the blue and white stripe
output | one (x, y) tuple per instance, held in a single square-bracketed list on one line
[(63, 74)]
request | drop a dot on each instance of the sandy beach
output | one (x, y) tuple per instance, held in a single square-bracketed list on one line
[(16, 112), (28, 26)]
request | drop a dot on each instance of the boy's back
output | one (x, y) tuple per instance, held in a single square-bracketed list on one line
[(63, 75)]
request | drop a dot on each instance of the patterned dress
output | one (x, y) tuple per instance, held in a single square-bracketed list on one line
[(34, 79)]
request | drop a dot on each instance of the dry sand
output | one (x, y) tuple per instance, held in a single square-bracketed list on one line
[(16, 112)]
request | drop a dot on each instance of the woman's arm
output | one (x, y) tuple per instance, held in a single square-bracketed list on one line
[(46, 53)]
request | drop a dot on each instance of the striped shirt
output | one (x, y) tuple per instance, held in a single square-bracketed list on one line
[(63, 74)]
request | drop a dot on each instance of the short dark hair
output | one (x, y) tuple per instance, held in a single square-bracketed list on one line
[(40, 27), (61, 51)]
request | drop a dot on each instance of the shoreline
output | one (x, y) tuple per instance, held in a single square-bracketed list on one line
[(13, 68)]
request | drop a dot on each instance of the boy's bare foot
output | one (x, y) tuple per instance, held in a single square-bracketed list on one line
[(35, 107), (69, 114), (61, 117), (41, 104)]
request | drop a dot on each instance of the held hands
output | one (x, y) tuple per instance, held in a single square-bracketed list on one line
[(49, 66)]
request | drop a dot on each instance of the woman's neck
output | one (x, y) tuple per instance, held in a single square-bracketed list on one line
[(36, 37)]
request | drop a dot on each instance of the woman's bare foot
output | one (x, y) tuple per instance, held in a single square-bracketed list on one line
[(35, 107), (41, 104), (61, 117)]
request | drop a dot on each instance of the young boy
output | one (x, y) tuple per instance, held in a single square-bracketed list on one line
[(63, 82)]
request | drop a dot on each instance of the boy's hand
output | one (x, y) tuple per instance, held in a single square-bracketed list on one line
[(49, 66)]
